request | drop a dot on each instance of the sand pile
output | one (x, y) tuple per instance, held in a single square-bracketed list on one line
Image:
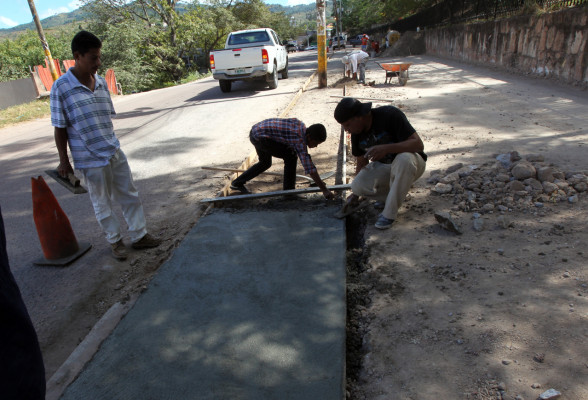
[(410, 43)]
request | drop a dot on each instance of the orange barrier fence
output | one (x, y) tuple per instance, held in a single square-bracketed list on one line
[(111, 81), (67, 64), (56, 64), (45, 75)]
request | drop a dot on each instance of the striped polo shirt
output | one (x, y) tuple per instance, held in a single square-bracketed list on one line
[(289, 131), (87, 117)]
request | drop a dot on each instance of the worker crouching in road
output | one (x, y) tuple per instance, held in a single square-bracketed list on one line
[(389, 155), (81, 110), (354, 61), (288, 139)]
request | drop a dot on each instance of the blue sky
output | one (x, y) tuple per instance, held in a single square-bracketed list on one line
[(16, 12)]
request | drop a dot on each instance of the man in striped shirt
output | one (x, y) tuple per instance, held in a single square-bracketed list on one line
[(288, 139), (81, 111)]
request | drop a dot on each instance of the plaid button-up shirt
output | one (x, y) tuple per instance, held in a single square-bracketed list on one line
[(87, 117), (289, 131)]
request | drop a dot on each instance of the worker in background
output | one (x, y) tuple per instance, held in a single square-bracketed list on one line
[(375, 47), (81, 112), (389, 155), (288, 139), (354, 61), (364, 42), (392, 37)]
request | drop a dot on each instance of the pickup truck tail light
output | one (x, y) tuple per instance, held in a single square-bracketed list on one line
[(264, 56), (212, 61)]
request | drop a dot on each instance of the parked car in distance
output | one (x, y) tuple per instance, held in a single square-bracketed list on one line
[(311, 47), (337, 42), (355, 41), (291, 46)]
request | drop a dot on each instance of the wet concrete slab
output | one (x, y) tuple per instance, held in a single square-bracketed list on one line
[(250, 306)]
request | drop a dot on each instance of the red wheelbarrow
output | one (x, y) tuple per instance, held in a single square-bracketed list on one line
[(396, 69)]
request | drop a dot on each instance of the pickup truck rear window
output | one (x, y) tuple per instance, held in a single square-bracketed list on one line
[(249, 37)]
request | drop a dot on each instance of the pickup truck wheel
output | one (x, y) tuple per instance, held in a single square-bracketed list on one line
[(285, 71), (273, 78), (225, 85)]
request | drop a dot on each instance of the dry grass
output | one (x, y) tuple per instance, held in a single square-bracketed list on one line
[(24, 112)]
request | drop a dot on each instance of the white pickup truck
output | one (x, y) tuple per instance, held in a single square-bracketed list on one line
[(250, 54)]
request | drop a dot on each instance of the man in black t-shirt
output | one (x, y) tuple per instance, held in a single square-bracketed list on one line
[(389, 154)]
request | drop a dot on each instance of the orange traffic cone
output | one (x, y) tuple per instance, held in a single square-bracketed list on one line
[(58, 240)]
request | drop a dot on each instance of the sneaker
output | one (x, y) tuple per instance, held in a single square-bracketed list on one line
[(119, 251), (379, 205), (240, 188), (383, 222), (146, 242)]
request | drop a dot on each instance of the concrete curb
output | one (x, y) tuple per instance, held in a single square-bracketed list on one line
[(74, 364)]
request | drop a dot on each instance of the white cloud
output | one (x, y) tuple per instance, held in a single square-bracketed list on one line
[(74, 5), (8, 22), (53, 11)]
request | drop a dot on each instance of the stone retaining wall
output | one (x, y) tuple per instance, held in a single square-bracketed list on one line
[(551, 45)]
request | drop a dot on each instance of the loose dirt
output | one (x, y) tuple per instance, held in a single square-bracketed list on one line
[(491, 303)]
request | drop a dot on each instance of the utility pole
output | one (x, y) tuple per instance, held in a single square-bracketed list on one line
[(43, 41), (337, 30), (340, 17), (321, 35)]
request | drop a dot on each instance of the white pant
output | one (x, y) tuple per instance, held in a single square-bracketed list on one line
[(389, 182), (114, 182), (360, 66)]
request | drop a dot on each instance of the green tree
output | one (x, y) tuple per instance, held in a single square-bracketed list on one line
[(17, 55), (160, 17), (361, 14), (122, 50), (206, 27)]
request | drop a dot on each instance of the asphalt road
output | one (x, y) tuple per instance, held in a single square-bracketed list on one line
[(167, 134)]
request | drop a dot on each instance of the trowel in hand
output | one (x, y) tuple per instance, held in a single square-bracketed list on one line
[(71, 183)]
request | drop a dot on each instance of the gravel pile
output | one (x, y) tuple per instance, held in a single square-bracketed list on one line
[(510, 182)]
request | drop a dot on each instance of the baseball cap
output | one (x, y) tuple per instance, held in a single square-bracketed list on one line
[(349, 107)]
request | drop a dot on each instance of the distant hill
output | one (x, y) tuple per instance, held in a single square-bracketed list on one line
[(53, 21), (81, 14)]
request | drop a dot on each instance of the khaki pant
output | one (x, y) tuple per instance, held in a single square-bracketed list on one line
[(114, 183), (389, 182)]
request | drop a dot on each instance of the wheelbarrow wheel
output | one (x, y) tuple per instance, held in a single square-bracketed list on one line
[(403, 77)]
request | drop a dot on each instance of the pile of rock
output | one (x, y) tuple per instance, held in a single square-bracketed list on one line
[(510, 182)]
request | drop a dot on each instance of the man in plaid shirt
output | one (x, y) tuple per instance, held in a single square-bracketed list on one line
[(288, 139), (81, 112)]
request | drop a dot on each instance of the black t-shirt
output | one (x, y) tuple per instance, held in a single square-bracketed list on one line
[(389, 125)]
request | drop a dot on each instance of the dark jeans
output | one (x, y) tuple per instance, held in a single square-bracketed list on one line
[(22, 373), (266, 149)]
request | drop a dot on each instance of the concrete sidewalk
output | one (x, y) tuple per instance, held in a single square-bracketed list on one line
[(250, 306)]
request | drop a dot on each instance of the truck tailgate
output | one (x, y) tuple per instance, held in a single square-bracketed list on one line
[(237, 58)]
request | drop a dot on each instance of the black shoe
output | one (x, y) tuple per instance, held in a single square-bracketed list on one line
[(241, 188)]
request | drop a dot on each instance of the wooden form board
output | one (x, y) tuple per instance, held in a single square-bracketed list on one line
[(334, 188)]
